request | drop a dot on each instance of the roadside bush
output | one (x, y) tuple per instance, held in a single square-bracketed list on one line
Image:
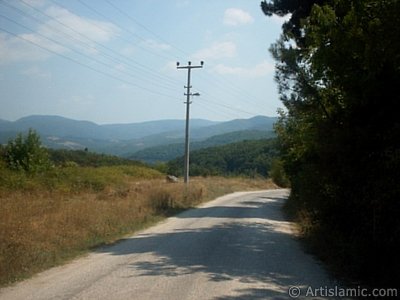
[(277, 173), (26, 154)]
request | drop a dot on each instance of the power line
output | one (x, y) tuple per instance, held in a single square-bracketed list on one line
[(169, 86), (214, 111), (119, 27), (125, 29), (79, 53), (144, 27), (233, 90), (84, 65), (224, 86), (120, 58), (229, 107)]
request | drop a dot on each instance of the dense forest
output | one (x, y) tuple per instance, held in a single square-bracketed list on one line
[(246, 158), (168, 152), (338, 70)]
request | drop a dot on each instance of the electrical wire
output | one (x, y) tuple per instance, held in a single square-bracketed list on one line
[(137, 64), (224, 85), (171, 85), (80, 53), (122, 12), (219, 112), (124, 29), (84, 65), (233, 89)]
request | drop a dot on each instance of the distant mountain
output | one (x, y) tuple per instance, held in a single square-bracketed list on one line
[(123, 139), (140, 130), (201, 133), (3, 122), (167, 144), (63, 127), (168, 152), (255, 123)]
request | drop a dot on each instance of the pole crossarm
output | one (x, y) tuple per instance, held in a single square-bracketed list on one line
[(189, 67)]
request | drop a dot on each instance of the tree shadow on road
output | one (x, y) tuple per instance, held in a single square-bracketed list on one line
[(264, 208), (255, 252)]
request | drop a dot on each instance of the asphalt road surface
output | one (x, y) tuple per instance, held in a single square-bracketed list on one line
[(236, 247)]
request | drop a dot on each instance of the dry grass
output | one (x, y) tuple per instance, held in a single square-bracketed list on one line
[(41, 226)]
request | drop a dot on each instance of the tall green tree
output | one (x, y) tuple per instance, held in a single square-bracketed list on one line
[(338, 69)]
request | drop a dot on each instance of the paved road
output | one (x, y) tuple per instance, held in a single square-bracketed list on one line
[(236, 247)]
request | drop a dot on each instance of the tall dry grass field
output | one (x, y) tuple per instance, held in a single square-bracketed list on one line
[(47, 220)]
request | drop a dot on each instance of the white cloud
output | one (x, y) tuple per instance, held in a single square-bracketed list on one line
[(14, 49), (36, 72), (124, 87), (128, 50), (217, 51), (98, 31), (36, 3), (170, 66), (236, 17), (22, 47), (258, 70), (40, 40), (156, 45), (120, 67)]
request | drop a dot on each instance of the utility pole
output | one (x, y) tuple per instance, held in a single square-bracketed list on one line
[(189, 67)]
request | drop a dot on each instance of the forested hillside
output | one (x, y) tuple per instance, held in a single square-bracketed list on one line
[(246, 158), (338, 70), (168, 152)]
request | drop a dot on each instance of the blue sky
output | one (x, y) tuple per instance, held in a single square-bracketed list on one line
[(114, 61)]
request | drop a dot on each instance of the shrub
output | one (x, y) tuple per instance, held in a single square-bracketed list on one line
[(27, 153), (277, 173)]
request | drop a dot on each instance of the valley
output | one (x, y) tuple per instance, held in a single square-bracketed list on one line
[(150, 142)]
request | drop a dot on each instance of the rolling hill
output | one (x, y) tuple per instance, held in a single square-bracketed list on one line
[(63, 127), (124, 139)]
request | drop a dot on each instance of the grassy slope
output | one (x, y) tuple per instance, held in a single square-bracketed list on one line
[(50, 218)]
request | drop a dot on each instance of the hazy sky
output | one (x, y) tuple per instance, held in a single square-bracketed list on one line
[(114, 61)]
